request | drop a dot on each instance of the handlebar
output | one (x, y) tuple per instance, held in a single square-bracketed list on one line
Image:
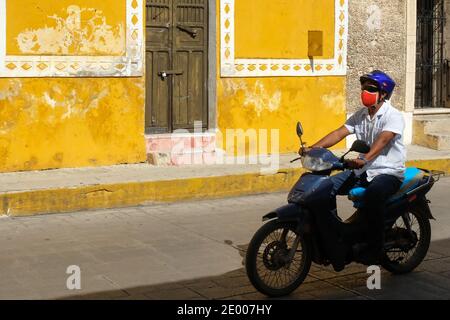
[(341, 166), (328, 156)]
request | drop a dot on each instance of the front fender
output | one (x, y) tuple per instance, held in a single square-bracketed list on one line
[(290, 212)]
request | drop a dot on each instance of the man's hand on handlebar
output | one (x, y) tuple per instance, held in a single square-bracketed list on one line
[(304, 150), (355, 164)]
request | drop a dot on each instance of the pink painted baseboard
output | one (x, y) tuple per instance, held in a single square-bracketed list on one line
[(181, 150)]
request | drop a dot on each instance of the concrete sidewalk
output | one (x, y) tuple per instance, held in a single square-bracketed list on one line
[(68, 190)]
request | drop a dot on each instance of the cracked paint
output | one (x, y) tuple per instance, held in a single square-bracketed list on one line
[(60, 123), (81, 31), (256, 96), (333, 102), (10, 89), (260, 99)]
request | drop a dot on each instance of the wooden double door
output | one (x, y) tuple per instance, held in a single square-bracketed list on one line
[(176, 65)]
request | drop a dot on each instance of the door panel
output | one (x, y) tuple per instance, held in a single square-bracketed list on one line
[(158, 58), (196, 89), (177, 42), (159, 11), (181, 94), (161, 93), (190, 48)]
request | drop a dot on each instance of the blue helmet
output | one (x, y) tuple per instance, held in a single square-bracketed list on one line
[(384, 82)]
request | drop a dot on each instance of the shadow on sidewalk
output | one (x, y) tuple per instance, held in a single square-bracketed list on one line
[(431, 280)]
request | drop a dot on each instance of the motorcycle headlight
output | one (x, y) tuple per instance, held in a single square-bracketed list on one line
[(315, 164)]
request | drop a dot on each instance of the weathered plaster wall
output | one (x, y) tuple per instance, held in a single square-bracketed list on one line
[(377, 40), (69, 122), (55, 123), (279, 102)]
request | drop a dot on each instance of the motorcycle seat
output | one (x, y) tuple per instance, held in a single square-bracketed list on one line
[(412, 179)]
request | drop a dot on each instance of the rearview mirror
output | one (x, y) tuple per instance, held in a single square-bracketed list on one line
[(360, 146), (299, 129)]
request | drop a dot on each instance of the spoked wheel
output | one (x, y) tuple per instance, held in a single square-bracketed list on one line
[(408, 242), (278, 259)]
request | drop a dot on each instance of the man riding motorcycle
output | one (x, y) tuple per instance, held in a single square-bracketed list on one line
[(380, 171)]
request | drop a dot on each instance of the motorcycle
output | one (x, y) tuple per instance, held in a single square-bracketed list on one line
[(308, 229)]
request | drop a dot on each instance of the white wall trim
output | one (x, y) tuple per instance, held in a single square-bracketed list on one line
[(411, 44), (212, 65), (232, 67), (431, 111), (131, 64), (408, 134)]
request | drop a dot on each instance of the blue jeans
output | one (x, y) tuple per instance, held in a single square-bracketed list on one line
[(378, 191)]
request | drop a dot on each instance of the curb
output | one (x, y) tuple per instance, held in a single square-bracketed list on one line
[(29, 203)]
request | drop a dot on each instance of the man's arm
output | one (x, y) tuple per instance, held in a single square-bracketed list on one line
[(383, 140), (333, 138)]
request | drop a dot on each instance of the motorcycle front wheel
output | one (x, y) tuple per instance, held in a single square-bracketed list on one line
[(270, 266)]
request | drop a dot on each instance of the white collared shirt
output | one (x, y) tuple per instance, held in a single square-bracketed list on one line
[(393, 157)]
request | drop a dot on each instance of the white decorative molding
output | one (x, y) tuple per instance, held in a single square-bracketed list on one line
[(129, 65), (408, 133), (232, 67)]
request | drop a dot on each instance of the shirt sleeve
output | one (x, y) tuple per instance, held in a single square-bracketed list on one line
[(395, 123), (351, 123)]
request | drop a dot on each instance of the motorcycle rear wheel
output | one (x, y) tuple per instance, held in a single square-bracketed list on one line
[(265, 267), (399, 261)]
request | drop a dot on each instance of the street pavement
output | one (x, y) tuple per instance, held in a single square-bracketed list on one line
[(189, 250)]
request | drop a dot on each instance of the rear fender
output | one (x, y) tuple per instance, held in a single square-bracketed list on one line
[(401, 207), (423, 204)]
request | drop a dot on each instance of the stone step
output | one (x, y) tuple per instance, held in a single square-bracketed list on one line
[(441, 141), (432, 131)]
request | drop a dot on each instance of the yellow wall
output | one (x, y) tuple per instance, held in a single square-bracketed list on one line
[(55, 123), (279, 29), (69, 122), (72, 122), (279, 102)]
